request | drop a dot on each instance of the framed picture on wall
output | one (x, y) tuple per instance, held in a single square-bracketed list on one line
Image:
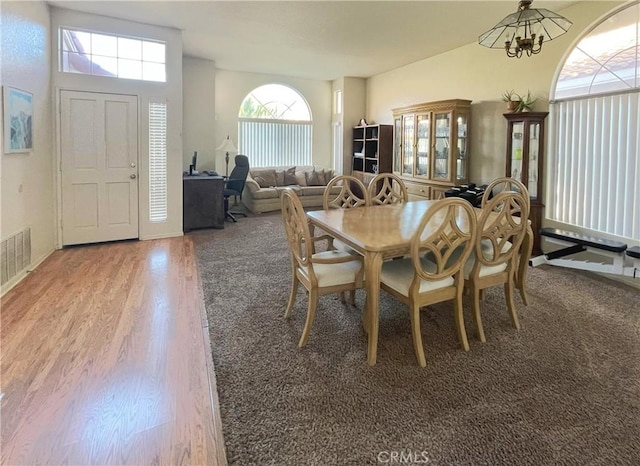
[(18, 120)]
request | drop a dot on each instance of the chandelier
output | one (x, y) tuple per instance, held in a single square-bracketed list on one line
[(524, 31)]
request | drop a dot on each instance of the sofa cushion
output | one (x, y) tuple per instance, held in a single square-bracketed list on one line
[(266, 177), (314, 178), (312, 191), (265, 193)]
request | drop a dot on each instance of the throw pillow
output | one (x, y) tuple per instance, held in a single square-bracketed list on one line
[(279, 177), (265, 178), (290, 176), (301, 178), (313, 178), (328, 174)]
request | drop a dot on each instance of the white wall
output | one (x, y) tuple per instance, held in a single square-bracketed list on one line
[(198, 77), (145, 90), (354, 92), (231, 89), (27, 179), (480, 74)]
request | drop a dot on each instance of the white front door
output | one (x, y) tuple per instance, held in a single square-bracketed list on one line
[(99, 171)]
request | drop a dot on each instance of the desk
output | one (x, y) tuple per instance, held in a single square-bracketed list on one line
[(383, 232), (202, 202)]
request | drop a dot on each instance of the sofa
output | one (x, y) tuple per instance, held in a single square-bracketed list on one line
[(264, 185)]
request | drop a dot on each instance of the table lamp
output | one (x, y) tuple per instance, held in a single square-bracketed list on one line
[(227, 147)]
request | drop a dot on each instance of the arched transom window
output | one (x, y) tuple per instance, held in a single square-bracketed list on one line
[(275, 127)]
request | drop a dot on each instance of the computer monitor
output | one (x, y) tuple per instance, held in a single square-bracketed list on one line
[(194, 163)]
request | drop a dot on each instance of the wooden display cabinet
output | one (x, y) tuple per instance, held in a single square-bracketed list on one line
[(431, 146), (525, 161)]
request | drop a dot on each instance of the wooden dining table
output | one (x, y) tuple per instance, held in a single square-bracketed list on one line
[(382, 232)]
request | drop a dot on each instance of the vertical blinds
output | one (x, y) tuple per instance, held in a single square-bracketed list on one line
[(595, 170), (157, 161), (275, 142)]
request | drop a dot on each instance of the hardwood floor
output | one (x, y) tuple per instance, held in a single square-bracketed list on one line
[(105, 360)]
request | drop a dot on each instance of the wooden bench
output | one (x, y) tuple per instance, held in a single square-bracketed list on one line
[(622, 260)]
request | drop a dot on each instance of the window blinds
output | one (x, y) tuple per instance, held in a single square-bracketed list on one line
[(275, 142), (594, 172), (157, 161)]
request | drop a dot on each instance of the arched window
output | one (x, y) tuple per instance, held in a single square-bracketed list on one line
[(594, 168), (275, 127)]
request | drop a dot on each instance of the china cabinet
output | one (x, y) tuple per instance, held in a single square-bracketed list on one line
[(372, 151), (431, 146), (525, 161)]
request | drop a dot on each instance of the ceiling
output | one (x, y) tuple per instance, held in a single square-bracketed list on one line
[(315, 39)]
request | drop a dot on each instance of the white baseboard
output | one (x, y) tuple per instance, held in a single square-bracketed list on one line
[(20, 276), (165, 235)]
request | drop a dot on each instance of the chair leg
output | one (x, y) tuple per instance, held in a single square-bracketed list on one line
[(292, 296), (462, 332), (508, 293), (476, 314), (227, 213), (417, 336), (352, 297), (313, 303), (343, 299)]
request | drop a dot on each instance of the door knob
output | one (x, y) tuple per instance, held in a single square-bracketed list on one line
[(132, 176), (133, 165)]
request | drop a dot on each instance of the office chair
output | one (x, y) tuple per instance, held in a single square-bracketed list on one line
[(234, 185)]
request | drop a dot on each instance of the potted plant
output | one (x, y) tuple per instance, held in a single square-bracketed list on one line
[(512, 99), (526, 103)]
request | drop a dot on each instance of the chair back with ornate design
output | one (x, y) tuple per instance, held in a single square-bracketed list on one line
[(505, 184), (297, 229), (446, 236), (501, 230), (387, 188), (352, 193)]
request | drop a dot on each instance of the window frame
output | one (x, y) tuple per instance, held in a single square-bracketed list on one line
[(118, 58)]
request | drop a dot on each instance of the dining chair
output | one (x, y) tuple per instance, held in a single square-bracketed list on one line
[(505, 184), (448, 227), (320, 273), (353, 193), (502, 227), (387, 188)]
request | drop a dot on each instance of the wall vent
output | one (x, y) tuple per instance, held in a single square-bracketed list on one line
[(16, 254)]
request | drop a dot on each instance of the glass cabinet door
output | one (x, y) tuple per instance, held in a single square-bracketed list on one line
[(408, 132), (397, 144), (423, 142), (532, 181), (461, 150), (517, 134), (442, 150)]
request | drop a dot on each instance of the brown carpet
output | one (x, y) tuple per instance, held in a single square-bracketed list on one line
[(565, 389)]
